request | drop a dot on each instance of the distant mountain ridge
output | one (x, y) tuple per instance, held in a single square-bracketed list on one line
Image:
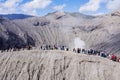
[(15, 16), (23, 16), (77, 14)]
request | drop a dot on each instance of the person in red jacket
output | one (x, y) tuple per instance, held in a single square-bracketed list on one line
[(112, 57)]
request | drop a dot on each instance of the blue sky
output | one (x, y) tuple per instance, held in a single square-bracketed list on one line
[(43, 7)]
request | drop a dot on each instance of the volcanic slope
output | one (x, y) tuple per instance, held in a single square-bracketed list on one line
[(56, 65)]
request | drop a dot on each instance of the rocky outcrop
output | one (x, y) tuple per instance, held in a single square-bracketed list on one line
[(56, 65)]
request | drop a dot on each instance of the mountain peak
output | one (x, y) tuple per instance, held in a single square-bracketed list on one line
[(60, 13), (69, 14)]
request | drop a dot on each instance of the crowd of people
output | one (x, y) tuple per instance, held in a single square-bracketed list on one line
[(99, 53), (78, 50), (54, 47), (83, 51), (9, 49)]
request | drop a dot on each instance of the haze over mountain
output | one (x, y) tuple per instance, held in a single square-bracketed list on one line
[(61, 28)]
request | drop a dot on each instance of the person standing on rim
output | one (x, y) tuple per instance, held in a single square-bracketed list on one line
[(74, 50), (78, 50)]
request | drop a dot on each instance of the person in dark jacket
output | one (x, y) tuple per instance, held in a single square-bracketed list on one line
[(78, 50), (67, 49), (47, 47), (83, 51), (102, 54), (74, 50), (63, 48), (90, 52)]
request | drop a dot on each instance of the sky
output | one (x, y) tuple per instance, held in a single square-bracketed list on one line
[(43, 7)]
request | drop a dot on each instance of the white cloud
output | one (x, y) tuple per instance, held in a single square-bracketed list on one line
[(11, 3), (92, 5), (113, 4), (34, 5), (9, 6), (59, 7), (15, 6)]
